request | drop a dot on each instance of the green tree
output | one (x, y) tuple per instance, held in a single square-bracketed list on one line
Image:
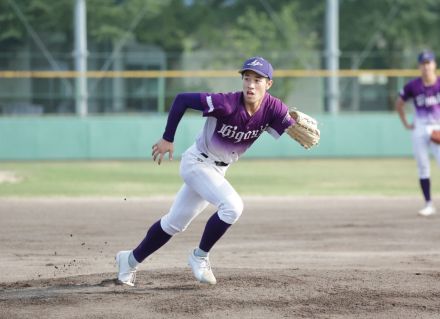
[(389, 36), (111, 23), (391, 29), (43, 17), (235, 30)]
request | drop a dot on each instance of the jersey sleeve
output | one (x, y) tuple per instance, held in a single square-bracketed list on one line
[(217, 104), (178, 108), (406, 93), (281, 119)]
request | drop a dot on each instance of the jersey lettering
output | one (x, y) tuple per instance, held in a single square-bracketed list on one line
[(427, 101), (229, 131)]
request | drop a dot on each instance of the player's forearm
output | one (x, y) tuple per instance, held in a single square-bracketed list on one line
[(180, 104), (403, 119), (400, 104), (401, 115)]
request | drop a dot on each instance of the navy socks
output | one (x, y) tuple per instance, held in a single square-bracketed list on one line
[(425, 184), (214, 230), (154, 239)]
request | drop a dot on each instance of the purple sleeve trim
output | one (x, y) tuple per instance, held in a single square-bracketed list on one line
[(180, 104)]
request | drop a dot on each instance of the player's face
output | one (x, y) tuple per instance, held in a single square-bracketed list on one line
[(254, 87), (427, 68)]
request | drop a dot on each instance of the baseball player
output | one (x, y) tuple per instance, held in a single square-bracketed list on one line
[(425, 94), (233, 122)]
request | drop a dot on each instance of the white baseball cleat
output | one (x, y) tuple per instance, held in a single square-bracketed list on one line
[(126, 274), (201, 269), (428, 210)]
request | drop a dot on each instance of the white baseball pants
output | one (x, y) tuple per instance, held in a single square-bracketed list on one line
[(204, 183), (422, 145)]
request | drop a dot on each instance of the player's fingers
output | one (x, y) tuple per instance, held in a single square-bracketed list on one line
[(160, 158), (170, 155), (154, 149)]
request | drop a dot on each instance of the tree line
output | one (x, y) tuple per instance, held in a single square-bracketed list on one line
[(387, 29)]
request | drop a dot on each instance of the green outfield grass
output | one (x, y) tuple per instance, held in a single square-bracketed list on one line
[(390, 177)]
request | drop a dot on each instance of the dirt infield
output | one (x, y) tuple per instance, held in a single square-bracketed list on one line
[(285, 258)]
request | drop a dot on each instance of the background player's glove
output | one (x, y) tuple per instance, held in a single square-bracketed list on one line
[(305, 131), (435, 136)]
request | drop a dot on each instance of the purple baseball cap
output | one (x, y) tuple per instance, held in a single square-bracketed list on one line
[(426, 56), (258, 65)]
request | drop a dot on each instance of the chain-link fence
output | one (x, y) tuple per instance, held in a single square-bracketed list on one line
[(147, 80)]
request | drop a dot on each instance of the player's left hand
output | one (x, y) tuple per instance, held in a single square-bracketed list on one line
[(305, 131), (160, 149)]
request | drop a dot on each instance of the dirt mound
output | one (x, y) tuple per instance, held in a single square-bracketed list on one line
[(240, 293), (286, 258)]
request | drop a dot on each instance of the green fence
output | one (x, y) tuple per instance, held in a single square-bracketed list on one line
[(131, 137)]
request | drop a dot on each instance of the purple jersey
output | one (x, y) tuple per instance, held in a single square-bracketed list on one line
[(426, 99), (229, 130)]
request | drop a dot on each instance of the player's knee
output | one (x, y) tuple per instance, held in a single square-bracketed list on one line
[(172, 227), (424, 172), (230, 211)]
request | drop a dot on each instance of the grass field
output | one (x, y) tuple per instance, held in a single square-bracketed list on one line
[(389, 177)]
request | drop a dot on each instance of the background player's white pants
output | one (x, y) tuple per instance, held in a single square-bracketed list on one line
[(422, 145), (204, 183)]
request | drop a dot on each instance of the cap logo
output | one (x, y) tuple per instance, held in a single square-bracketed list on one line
[(255, 63)]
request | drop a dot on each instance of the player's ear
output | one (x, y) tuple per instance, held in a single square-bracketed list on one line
[(268, 84)]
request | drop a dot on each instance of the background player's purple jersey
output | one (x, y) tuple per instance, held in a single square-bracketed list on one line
[(229, 130), (426, 99)]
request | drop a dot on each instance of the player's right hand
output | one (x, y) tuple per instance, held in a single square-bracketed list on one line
[(160, 149)]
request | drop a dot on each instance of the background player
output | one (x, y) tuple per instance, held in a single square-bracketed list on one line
[(425, 93), (233, 122)]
